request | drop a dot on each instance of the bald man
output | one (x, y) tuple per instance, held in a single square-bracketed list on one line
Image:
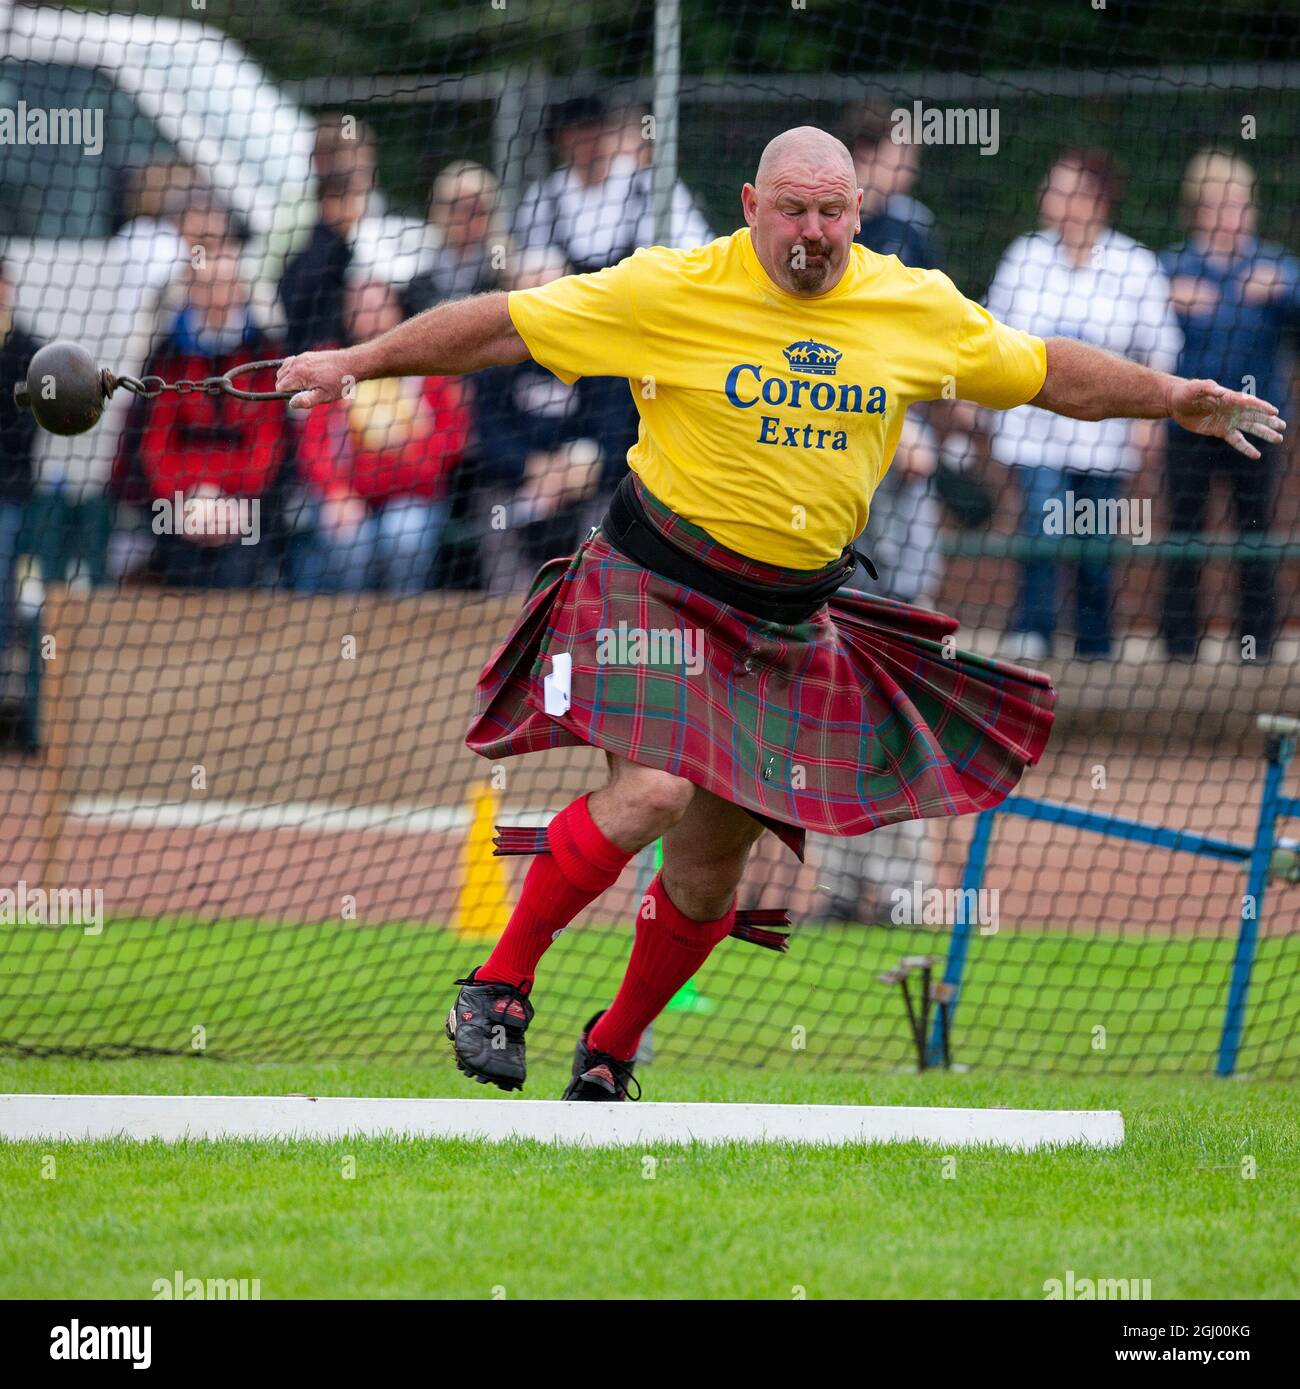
[(698, 636)]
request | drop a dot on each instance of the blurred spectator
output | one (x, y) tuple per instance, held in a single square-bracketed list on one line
[(470, 254), (205, 220), (537, 465), (1078, 279), (375, 467), (631, 137), (152, 188), (345, 145), (1234, 296), (596, 209), (383, 246), (200, 455), (893, 222), (17, 444), (154, 250), (312, 287), (354, 237), (472, 249), (171, 210), (178, 220), (597, 206)]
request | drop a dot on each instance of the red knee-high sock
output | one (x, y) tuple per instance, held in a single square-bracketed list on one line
[(668, 950), (581, 864)]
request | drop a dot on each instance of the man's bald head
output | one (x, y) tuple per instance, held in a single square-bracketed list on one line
[(802, 210), (803, 149)]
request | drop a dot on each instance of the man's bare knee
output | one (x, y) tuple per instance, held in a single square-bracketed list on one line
[(702, 878), (704, 895), (640, 804), (666, 793)]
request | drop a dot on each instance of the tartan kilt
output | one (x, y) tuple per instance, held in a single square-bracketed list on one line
[(861, 716)]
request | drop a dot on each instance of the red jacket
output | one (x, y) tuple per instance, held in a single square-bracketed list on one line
[(332, 460), (184, 440)]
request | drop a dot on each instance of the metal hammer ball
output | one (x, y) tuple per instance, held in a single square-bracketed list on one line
[(64, 389)]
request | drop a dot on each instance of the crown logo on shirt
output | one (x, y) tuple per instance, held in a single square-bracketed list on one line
[(813, 357)]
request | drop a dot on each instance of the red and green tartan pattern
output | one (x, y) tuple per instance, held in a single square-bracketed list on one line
[(855, 719)]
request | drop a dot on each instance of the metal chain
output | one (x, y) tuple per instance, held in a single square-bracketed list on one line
[(151, 387)]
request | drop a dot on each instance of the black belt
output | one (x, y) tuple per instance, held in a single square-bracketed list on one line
[(628, 530)]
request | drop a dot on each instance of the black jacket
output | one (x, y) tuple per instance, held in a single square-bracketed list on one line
[(17, 427), (521, 410), (311, 291)]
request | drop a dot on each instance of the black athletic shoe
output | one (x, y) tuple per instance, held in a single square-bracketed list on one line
[(597, 1076), (486, 1029)]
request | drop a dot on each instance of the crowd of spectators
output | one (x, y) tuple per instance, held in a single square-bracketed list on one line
[(474, 482), (407, 484)]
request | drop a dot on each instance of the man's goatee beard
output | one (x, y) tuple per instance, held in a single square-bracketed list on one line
[(811, 276)]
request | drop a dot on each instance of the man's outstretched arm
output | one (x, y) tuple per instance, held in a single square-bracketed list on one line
[(449, 340), (1087, 384)]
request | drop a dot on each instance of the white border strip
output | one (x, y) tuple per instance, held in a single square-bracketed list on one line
[(177, 1117), (311, 817)]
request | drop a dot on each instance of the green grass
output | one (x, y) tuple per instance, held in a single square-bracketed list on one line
[(328, 1009), (1035, 1000), (460, 1219)]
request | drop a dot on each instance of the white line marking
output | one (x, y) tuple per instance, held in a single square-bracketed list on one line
[(176, 1117), (312, 817)]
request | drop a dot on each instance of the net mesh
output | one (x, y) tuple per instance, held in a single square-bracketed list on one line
[(237, 814)]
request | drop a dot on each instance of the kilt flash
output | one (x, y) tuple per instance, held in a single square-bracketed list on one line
[(860, 717)]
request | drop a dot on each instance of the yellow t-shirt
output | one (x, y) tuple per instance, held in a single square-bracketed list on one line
[(769, 419)]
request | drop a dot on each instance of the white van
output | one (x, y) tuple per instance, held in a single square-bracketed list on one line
[(90, 99)]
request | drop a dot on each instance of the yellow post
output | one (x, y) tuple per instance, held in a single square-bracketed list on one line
[(483, 904)]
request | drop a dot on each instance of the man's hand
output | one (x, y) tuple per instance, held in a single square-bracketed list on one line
[(1205, 407), (318, 377), (1085, 383), (1192, 297), (1266, 282), (563, 478)]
